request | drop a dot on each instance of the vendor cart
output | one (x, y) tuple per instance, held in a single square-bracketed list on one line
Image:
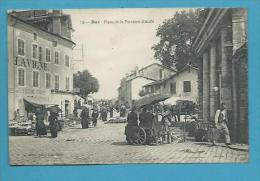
[(151, 132)]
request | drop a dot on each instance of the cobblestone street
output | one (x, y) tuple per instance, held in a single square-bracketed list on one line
[(106, 144)]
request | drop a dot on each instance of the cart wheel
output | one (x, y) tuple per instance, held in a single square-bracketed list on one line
[(140, 137)]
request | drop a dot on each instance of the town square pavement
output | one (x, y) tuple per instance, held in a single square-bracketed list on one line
[(106, 145)]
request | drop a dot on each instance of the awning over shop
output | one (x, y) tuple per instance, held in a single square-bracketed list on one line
[(151, 99), (32, 102), (173, 100)]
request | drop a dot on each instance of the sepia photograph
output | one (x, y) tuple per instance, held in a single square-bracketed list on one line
[(127, 85)]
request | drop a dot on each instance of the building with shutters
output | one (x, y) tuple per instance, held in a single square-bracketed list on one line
[(132, 84), (182, 85), (40, 60)]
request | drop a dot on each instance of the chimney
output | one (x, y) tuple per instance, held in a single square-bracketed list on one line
[(56, 22), (56, 12)]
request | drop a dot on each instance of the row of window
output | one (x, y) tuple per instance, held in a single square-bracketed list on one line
[(36, 79), (37, 53), (186, 87)]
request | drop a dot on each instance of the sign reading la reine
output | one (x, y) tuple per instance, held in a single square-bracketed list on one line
[(30, 63)]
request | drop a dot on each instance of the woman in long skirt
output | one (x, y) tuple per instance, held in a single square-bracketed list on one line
[(40, 126), (84, 118), (53, 124)]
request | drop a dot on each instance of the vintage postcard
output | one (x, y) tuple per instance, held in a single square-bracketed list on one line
[(118, 86)]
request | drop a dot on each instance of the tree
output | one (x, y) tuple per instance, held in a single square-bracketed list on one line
[(86, 82), (176, 37)]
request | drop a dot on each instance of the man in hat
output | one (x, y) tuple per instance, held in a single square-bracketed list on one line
[(221, 121), (142, 117), (132, 117), (84, 117), (104, 113), (166, 122), (94, 115), (146, 117)]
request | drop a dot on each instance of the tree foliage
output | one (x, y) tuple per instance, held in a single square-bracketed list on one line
[(86, 82), (176, 37)]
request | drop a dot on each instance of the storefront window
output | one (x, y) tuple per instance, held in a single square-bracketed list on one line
[(48, 80), (21, 46), (57, 82), (35, 79), (48, 55), (56, 57), (21, 77)]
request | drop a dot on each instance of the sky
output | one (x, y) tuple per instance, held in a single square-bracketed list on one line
[(114, 41)]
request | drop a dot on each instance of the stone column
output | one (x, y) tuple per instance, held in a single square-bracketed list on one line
[(239, 34), (200, 87), (213, 79), (239, 27), (206, 85), (226, 71)]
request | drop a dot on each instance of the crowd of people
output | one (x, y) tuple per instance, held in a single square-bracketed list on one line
[(90, 115), (41, 114), (151, 117), (161, 117)]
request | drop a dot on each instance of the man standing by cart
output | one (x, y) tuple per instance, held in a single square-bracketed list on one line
[(142, 117), (166, 122), (146, 118), (132, 117), (221, 121)]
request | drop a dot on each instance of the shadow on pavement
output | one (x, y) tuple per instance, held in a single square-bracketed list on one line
[(43, 136), (75, 128), (217, 145), (202, 143), (120, 143)]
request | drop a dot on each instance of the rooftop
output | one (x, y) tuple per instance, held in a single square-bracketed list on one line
[(29, 22), (189, 66)]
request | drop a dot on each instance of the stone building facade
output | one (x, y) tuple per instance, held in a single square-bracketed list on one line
[(183, 84), (132, 84), (221, 47), (40, 60)]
